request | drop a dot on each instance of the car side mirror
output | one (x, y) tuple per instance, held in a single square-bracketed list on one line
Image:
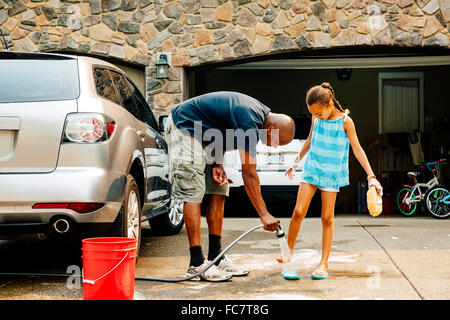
[(162, 122)]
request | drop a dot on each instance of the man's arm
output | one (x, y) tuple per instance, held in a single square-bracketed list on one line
[(253, 188)]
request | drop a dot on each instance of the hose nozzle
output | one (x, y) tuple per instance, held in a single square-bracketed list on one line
[(280, 232)]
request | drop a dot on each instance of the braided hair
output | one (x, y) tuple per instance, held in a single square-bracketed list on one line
[(323, 94)]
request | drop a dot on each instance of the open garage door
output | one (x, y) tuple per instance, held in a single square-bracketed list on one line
[(282, 85), (377, 89)]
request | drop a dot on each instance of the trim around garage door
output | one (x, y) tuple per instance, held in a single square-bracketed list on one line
[(351, 62)]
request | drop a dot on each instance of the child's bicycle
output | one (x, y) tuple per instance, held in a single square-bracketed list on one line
[(437, 198)]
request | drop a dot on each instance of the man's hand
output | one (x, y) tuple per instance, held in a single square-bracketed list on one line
[(219, 176), (269, 222)]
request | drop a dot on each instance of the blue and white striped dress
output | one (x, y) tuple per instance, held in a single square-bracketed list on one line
[(327, 162)]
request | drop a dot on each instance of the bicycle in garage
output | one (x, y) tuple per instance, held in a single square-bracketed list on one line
[(436, 197)]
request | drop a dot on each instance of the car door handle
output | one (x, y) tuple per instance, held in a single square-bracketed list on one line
[(9, 123)]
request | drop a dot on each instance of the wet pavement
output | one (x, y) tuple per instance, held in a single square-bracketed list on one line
[(387, 257)]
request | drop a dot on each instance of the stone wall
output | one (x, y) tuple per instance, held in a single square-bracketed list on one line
[(202, 31)]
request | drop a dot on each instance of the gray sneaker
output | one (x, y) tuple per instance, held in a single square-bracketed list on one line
[(213, 274), (229, 266)]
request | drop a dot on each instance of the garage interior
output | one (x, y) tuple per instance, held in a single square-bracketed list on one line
[(389, 95)]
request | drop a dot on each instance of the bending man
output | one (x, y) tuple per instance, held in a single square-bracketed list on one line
[(198, 132)]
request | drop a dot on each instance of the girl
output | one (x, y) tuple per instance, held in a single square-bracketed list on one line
[(326, 166)]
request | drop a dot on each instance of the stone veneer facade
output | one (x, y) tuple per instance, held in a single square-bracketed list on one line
[(203, 31)]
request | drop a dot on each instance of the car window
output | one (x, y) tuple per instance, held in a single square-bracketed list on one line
[(125, 95), (104, 85), (38, 80), (144, 109)]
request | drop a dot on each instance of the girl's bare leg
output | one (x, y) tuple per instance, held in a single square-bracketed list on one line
[(305, 193), (328, 203)]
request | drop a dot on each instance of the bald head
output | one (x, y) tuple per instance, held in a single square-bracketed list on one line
[(281, 124)]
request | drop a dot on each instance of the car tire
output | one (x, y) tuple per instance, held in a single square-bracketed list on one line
[(128, 221), (170, 222)]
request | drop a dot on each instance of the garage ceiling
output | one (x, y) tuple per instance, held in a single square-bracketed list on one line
[(351, 62)]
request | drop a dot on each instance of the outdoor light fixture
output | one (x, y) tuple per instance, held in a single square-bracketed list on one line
[(162, 66), (344, 74)]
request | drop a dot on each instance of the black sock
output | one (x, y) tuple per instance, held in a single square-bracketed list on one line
[(197, 257), (215, 247)]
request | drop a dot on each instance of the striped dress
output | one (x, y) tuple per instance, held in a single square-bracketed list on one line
[(327, 162)]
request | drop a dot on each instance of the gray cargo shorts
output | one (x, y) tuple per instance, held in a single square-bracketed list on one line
[(190, 176)]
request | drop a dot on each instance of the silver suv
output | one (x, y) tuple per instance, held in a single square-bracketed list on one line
[(80, 150)]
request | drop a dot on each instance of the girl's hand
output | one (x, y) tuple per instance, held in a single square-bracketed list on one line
[(373, 182), (290, 172)]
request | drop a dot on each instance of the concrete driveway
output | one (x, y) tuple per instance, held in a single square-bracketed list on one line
[(372, 258)]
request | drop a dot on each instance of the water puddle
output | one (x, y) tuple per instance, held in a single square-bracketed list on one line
[(303, 258)]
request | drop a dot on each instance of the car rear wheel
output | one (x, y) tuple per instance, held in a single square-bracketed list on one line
[(128, 221), (170, 222)]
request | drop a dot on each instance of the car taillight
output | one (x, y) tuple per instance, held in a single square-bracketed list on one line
[(110, 127), (88, 127), (80, 207)]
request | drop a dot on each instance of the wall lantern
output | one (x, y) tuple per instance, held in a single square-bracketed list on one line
[(162, 66)]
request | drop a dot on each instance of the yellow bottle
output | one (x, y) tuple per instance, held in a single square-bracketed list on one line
[(374, 202)]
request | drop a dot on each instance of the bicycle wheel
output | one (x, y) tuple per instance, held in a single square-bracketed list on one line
[(402, 206), (434, 202)]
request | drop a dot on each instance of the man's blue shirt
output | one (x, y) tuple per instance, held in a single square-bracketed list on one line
[(223, 112)]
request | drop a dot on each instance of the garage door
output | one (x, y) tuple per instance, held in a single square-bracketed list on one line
[(282, 84)]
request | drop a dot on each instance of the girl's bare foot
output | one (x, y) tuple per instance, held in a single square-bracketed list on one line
[(320, 273), (286, 259), (281, 260), (322, 267)]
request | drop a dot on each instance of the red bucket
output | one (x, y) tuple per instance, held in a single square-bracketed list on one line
[(109, 268)]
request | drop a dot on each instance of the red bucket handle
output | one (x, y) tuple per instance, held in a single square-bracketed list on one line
[(98, 279)]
